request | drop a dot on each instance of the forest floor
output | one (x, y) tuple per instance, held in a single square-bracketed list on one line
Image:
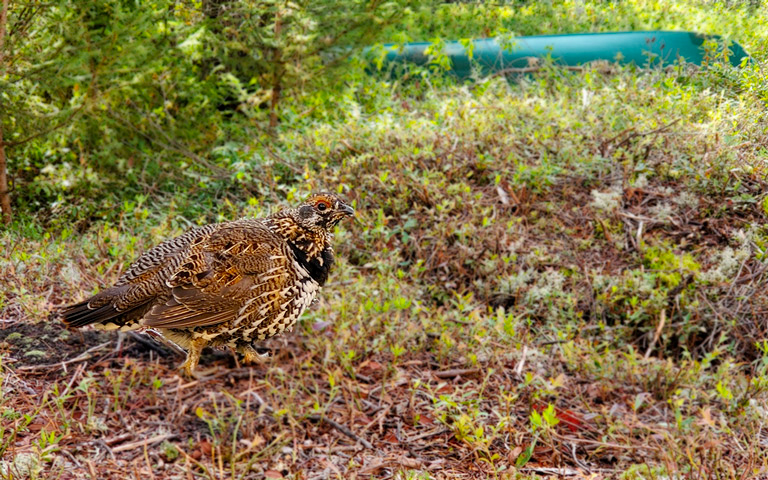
[(558, 277)]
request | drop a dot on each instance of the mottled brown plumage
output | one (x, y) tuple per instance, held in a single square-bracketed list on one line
[(226, 284)]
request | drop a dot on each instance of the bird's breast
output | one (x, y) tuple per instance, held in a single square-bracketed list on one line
[(317, 267)]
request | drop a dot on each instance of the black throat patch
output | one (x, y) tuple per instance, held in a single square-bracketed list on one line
[(318, 267)]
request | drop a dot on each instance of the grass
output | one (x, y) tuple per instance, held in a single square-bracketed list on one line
[(561, 273)]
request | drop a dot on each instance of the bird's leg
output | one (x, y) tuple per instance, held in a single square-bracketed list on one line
[(193, 356), (252, 354), (158, 337)]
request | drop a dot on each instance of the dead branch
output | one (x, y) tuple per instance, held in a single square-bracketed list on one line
[(341, 428), (142, 443), (86, 355), (5, 196), (456, 372)]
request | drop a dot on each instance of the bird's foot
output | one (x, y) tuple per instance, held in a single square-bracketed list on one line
[(193, 357), (253, 355), (188, 370), (193, 373)]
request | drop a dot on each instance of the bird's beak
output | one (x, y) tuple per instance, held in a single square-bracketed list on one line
[(347, 210)]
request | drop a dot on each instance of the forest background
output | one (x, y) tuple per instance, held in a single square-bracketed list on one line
[(561, 270)]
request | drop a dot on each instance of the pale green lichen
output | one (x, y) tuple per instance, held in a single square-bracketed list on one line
[(23, 465), (607, 201), (13, 337), (35, 354)]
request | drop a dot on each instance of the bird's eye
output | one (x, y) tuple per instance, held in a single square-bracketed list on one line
[(322, 206)]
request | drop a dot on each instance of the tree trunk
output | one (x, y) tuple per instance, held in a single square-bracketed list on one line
[(5, 194), (277, 72)]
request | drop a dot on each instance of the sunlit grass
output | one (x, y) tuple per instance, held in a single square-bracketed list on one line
[(567, 271)]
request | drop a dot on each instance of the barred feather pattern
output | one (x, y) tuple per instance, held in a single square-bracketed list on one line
[(159, 255), (226, 284)]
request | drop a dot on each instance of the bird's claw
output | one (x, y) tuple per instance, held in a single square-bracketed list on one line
[(253, 354)]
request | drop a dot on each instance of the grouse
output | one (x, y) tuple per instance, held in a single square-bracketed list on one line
[(223, 285)]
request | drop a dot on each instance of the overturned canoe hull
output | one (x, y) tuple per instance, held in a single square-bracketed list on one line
[(493, 55)]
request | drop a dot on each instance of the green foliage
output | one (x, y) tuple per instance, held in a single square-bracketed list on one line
[(261, 49), (579, 243), (103, 100), (103, 96)]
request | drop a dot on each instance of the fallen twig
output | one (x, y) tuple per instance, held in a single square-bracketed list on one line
[(141, 443), (521, 363), (267, 409), (86, 355), (657, 333), (158, 337), (559, 471), (118, 439), (456, 372), (380, 416), (341, 428), (433, 433), (138, 337)]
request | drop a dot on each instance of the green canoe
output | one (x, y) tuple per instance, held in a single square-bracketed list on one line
[(647, 48)]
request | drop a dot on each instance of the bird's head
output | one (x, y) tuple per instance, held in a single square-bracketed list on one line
[(323, 211), (308, 226)]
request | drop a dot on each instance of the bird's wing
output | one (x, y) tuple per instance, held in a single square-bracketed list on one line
[(238, 264), (154, 263), (144, 283)]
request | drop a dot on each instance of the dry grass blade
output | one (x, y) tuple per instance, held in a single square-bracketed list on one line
[(143, 443)]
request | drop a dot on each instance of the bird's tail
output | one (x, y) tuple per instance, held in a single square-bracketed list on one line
[(80, 314), (106, 317)]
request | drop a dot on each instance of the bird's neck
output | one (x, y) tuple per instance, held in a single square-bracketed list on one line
[(312, 242)]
